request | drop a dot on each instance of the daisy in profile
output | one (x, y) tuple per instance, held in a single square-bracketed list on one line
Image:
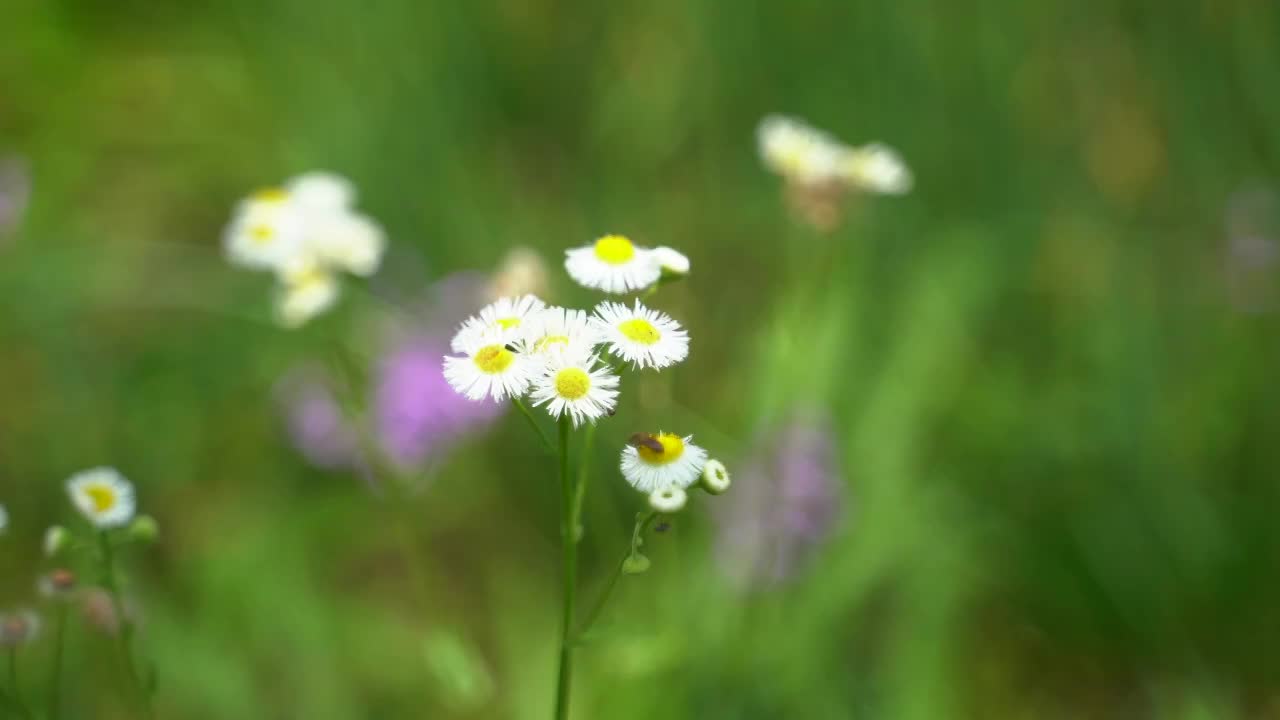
[(509, 317), (557, 328), (489, 368), (656, 461), (572, 384), (103, 496), (643, 337), (672, 262), (305, 291), (613, 264)]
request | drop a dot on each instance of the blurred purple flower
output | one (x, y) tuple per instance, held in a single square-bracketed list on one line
[(1252, 251), (15, 192), (415, 415), (785, 501)]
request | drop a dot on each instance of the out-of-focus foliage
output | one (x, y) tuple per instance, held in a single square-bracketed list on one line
[(1049, 373)]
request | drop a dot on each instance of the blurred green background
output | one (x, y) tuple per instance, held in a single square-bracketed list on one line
[(1049, 373)]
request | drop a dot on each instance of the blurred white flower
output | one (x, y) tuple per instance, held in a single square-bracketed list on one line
[(810, 157), (57, 584), (321, 191), (266, 231), (613, 264), (678, 463), (876, 168), (572, 384), (489, 368), (798, 152), (668, 499), (643, 337), (306, 232), (103, 496), (715, 478), (305, 292), (18, 628), (56, 539), (521, 272)]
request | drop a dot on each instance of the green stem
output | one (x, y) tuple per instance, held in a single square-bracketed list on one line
[(124, 627), (19, 704), (524, 410), (569, 547), (584, 475), (55, 673), (642, 524)]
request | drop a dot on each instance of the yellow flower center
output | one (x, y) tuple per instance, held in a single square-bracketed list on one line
[(549, 340), (103, 497), (271, 195), (572, 383), (507, 323), (640, 330), (672, 449), (493, 359), (262, 234), (615, 249)]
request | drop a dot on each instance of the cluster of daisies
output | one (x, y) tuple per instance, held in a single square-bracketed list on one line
[(569, 361), (809, 157), (307, 233), (107, 501)]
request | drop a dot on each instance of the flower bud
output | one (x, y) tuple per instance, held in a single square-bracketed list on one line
[(635, 564), (144, 529), (56, 539), (715, 478), (57, 584), (19, 628), (668, 499)]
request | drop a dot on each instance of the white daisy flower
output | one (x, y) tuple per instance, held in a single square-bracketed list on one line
[(799, 152), (321, 191), (348, 241), (267, 230), (643, 337), (570, 384), (876, 168), (489, 368), (103, 496), (678, 464), (715, 478), (668, 499), (613, 264), (557, 328), (672, 262), (305, 291), (509, 317)]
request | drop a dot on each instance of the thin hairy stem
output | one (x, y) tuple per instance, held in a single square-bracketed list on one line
[(637, 535), (569, 546), (55, 671), (528, 416), (124, 628)]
